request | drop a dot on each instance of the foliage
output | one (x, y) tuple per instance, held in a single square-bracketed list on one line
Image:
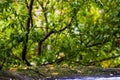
[(73, 32)]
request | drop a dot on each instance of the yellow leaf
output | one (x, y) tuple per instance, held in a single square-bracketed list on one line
[(106, 64), (55, 73), (13, 69)]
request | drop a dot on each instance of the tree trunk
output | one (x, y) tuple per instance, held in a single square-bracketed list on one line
[(24, 52), (28, 25), (40, 47)]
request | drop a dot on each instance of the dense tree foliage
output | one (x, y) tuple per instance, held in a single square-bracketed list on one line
[(73, 32)]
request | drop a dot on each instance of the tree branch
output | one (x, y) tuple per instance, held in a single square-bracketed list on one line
[(45, 14), (99, 43), (47, 35), (26, 4), (109, 58), (30, 14)]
